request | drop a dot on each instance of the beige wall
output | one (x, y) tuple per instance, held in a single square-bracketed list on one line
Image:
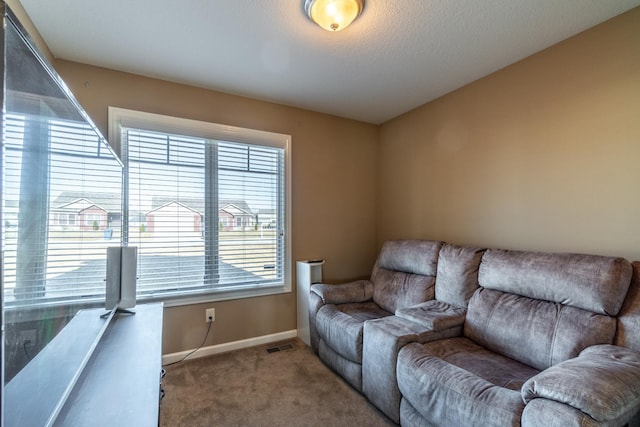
[(334, 190), (541, 155)]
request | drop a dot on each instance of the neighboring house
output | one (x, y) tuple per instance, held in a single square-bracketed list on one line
[(85, 211), (136, 219), (236, 215), (234, 218), (89, 211), (81, 214), (188, 215), (267, 218), (174, 217)]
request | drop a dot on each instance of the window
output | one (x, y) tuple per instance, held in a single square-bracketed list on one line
[(206, 205), (65, 219)]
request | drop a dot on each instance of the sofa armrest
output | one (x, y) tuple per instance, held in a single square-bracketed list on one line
[(434, 315), (358, 291), (383, 339), (603, 382)]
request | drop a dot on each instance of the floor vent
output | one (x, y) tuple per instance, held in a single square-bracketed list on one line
[(283, 347)]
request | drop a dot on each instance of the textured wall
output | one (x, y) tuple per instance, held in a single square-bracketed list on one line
[(540, 155)]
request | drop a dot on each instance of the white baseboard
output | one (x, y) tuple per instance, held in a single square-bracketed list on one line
[(229, 346)]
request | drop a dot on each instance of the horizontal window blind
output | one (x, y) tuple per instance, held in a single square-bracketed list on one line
[(250, 212), (206, 215), (166, 177), (62, 207)]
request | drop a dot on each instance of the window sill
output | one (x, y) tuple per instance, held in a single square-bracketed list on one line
[(60, 309), (219, 295)]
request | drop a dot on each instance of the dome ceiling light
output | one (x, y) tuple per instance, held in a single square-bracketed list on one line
[(333, 15)]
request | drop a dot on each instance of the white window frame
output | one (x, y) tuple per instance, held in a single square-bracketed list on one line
[(120, 118)]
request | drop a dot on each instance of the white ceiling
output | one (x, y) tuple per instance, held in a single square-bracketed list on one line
[(398, 55)]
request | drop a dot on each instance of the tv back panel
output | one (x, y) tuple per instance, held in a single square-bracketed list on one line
[(112, 289), (128, 276)]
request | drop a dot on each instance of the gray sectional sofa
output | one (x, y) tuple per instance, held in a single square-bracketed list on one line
[(445, 335)]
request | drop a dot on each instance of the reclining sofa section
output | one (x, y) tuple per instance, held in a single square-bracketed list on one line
[(444, 335), (403, 275)]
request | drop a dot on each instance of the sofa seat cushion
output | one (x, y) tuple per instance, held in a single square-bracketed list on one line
[(447, 395), (340, 326), (493, 367)]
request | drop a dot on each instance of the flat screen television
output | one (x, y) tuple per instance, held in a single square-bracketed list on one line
[(61, 209)]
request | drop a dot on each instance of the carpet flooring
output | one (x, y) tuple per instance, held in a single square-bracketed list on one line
[(254, 387)]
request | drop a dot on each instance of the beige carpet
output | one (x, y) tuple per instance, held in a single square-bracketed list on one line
[(253, 387)]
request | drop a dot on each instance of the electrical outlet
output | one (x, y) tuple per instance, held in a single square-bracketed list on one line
[(210, 315), (27, 338)]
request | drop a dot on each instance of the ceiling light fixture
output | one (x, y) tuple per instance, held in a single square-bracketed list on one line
[(333, 15)]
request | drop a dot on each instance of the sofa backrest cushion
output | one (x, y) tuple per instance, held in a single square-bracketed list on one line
[(404, 273), (410, 256), (535, 332), (457, 277), (393, 290), (628, 334), (591, 282)]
